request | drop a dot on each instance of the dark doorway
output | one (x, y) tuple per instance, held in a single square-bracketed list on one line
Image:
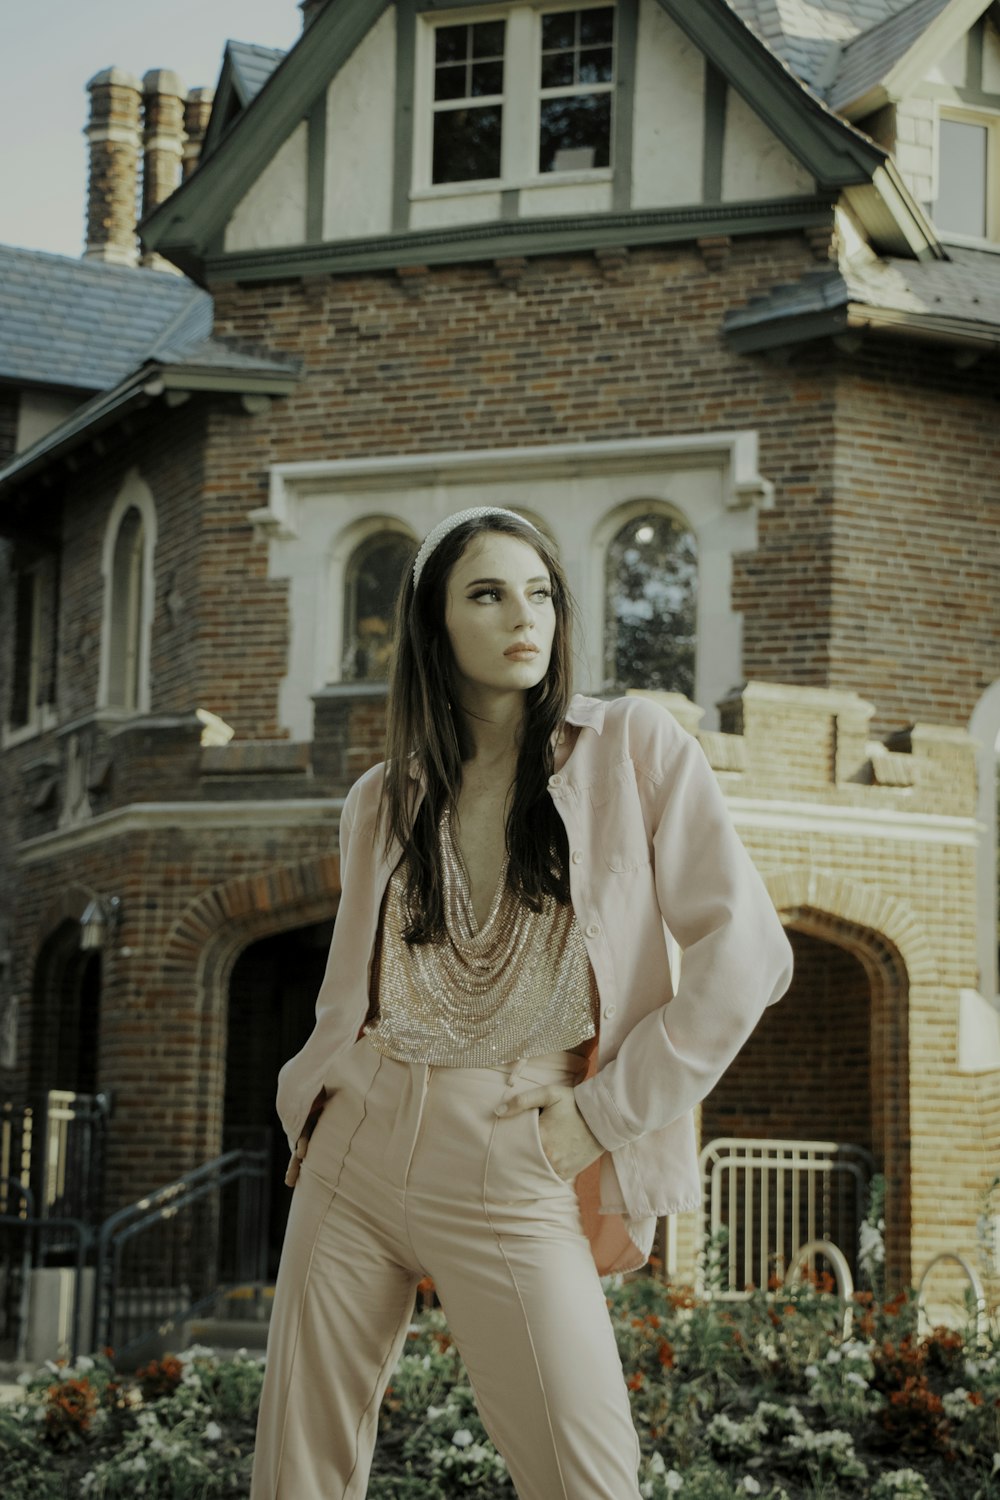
[(66, 1016), (272, 1000)]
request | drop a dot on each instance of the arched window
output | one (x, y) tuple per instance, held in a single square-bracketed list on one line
[(374, 571), (650, 603), (126, 613)]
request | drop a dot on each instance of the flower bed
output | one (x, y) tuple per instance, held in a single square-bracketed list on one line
[(766, 1398)]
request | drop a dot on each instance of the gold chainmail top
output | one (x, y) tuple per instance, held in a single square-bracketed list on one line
[(519, 986)]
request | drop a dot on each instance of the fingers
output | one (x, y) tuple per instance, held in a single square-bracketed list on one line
[(539, 1098)]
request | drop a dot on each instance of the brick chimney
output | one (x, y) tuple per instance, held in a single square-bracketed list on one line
[(197, 113), (113, 134), (163, 97)]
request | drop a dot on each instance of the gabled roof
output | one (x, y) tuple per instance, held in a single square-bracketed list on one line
[(886, 62), (188, 227), (803, 32), (866, 60), (245, 70), (83, 324), (955, 302)]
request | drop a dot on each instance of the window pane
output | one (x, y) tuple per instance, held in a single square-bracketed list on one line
[(487, 39), (581, 126), (467, 143), (651, 576), (557, 69), (558, 30), (373, 578), (597, 25), (597, 65), (451, 81), (961, 203), (451, 44), (487, 78)]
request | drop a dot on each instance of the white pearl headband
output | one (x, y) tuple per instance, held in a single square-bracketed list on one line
[(441, 530)]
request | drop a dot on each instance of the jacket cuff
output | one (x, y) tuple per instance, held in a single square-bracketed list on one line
[(601, 1114)]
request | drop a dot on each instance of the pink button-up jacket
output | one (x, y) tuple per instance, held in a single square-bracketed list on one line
[(652, 848)]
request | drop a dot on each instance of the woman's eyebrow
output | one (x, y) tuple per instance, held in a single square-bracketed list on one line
[(539, 578)]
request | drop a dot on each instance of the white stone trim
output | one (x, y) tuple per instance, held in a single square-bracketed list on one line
[(839, 822), (573, 489), (135, 492), (984, 728)]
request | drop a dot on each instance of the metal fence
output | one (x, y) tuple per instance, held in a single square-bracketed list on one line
[(765, 1199), (167, 1257)]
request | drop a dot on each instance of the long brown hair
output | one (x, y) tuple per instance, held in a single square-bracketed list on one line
[(425, 733)]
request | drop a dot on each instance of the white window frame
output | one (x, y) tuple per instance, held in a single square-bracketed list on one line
[(134, 494), (521, 99), (991, 120)]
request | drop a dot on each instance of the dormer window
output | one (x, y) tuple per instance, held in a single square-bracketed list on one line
[(968, 204), (516, 94)]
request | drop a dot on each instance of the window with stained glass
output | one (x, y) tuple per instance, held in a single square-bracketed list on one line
[(374, 573)]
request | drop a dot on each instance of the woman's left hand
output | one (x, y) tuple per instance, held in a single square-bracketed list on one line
[(567, 1140)]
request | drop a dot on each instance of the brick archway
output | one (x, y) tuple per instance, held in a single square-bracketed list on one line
[(884, 937), (207, 939)]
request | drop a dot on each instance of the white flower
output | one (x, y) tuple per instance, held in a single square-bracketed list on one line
[(462, 1438), (656, 1464), (213, 1432), (853, 1378), (812, 1372), (751, 1486), (84, 1364), (833, 1356), (673, 1481)]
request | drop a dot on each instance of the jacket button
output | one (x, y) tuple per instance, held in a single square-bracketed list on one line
[(609, 1011), (593, 930), (555, 780), (577, 856)]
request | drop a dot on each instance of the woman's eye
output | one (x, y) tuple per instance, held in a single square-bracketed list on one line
[(543, 593), (485, 594)]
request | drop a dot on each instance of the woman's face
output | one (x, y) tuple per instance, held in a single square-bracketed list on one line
[(499, 615)]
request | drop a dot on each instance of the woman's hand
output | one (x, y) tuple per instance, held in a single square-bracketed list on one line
[(302, 1144), (567, 1140)]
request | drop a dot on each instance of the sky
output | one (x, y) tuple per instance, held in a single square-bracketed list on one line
[(52, 48)]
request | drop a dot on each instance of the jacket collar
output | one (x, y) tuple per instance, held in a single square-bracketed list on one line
[(583, 712)]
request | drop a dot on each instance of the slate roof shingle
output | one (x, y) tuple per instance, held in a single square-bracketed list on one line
[(867, 59), (84, 325), (963, 290), (802, 32)]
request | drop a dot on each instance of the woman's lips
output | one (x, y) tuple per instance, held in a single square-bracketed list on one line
[(522, 650)]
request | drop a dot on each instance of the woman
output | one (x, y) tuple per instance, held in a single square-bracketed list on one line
[(504, 1093)]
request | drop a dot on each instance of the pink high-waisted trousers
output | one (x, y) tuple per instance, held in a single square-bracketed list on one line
[(411, 1173)]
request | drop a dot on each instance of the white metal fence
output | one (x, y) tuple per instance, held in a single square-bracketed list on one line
[(766, 1199)]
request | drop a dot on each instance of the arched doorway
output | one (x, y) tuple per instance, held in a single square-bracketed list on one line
[(67, 1114), (272, 999), (826, 1064)]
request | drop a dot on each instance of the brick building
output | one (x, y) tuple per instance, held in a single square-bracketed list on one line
[(716, 281)]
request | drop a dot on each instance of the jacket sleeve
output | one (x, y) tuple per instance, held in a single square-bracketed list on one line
[(736, 958)]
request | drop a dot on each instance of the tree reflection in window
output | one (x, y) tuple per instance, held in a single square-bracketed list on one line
[(374, 573), (651, 577)]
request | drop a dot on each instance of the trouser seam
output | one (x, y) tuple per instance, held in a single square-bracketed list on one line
[(335, 1188), (524, 1312)]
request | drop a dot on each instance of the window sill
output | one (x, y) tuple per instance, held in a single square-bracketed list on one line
[(504, 185), (968, 241), (10, 737)]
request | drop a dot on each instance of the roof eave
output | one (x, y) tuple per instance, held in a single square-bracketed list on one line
[(153, 380), (859, 319)]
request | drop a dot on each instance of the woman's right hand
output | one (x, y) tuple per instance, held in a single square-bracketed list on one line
[(298, 1156)]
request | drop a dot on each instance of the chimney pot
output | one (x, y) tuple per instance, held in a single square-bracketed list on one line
[(112, 132)]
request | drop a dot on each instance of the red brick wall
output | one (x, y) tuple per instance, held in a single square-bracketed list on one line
[(847, 585), (805, 1073)]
